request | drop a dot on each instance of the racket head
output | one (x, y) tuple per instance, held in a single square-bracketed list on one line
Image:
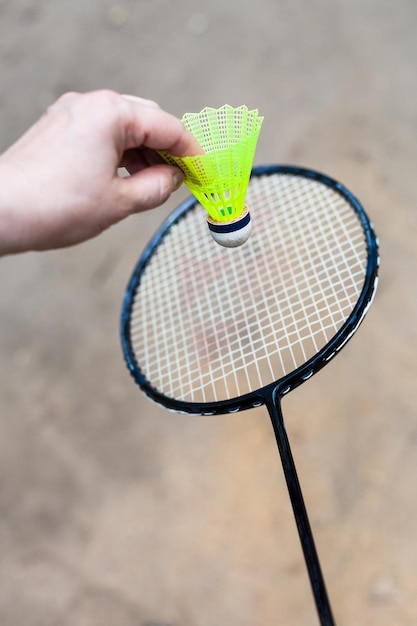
[(308, 326)]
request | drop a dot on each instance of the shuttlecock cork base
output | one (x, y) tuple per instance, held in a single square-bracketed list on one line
[(231, 234), (219, 177)]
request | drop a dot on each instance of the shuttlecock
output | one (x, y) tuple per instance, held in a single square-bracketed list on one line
[(219, 178)]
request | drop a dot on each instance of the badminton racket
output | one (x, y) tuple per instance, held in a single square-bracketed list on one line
[(208, 330)]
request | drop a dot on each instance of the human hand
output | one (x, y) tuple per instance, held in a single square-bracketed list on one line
[(59, 183)]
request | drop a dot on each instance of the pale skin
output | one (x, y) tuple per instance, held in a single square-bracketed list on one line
[(60, 183)]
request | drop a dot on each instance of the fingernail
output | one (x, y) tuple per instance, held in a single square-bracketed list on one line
[(177, 180)]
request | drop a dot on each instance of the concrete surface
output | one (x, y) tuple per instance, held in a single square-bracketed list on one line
[(115, 512)]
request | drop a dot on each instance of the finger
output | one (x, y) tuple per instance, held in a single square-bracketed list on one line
[(154, 128), (144, 101), (149, 188)]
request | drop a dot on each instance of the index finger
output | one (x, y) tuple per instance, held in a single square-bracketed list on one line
[(154, 128)]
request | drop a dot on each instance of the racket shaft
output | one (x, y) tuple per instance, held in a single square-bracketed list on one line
[(301, 517)]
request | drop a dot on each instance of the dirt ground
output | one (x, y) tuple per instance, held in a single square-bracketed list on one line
[(114, 512)]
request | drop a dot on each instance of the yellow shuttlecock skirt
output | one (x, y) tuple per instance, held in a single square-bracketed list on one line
[(219, 178)]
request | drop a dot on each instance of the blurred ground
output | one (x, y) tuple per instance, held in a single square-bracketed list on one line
[(115, 512)]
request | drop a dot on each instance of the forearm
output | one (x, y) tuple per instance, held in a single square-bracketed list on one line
[(15, 222)]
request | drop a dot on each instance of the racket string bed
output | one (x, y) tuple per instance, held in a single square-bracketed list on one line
[(223, 323)]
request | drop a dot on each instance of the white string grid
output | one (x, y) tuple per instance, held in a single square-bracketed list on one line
[(211, 323)]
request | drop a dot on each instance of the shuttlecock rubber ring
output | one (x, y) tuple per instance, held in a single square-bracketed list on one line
[(231, 234)]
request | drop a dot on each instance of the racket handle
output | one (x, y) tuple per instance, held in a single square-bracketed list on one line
[(300, 513)]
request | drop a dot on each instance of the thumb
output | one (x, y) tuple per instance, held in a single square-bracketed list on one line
[(150, 187)]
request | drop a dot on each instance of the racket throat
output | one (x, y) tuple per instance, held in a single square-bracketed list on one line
[(273, 405)]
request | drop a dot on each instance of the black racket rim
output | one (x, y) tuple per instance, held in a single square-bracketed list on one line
[(293, 379)]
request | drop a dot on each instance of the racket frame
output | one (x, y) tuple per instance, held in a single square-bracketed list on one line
[(299, 375)]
